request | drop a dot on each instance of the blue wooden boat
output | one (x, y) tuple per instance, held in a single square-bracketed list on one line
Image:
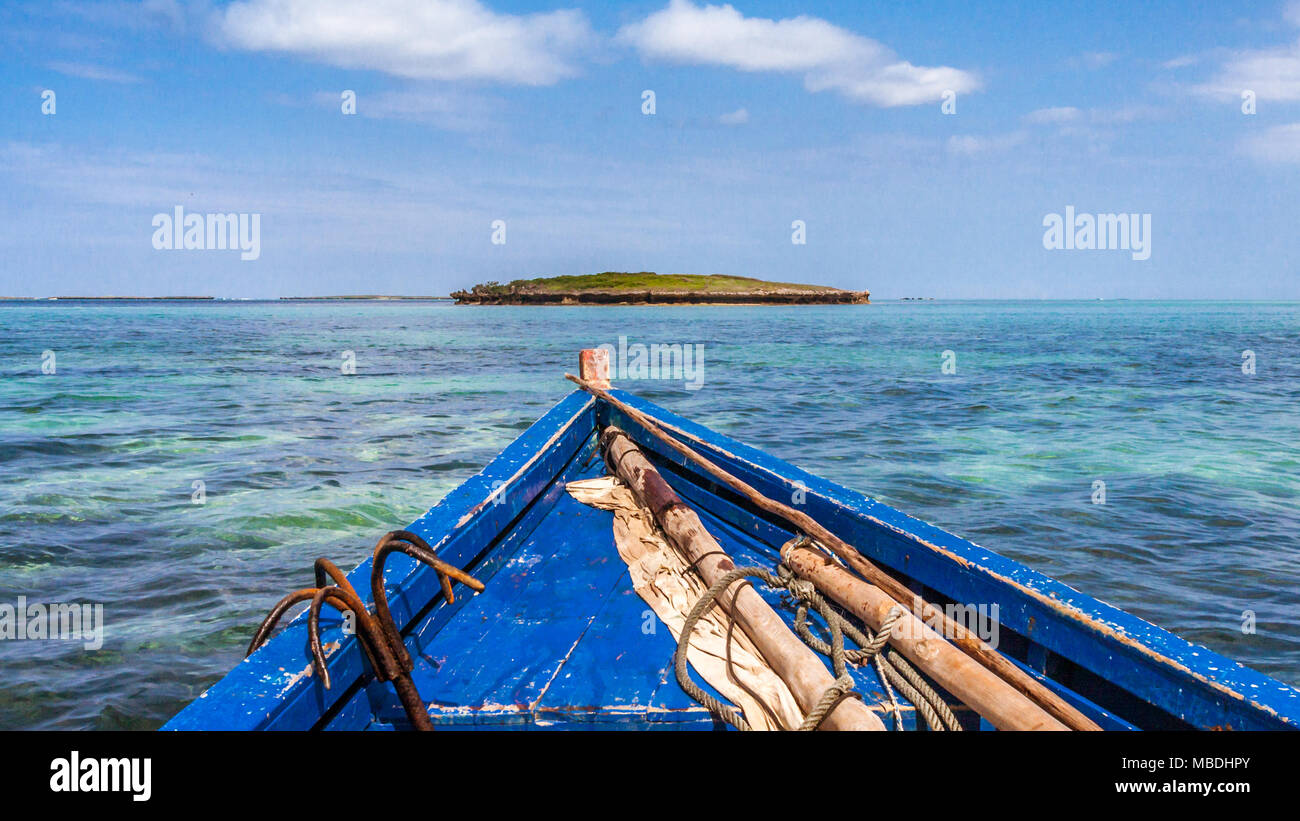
[(558, 639)]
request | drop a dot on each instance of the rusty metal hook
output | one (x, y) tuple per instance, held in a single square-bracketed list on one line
[(345, 601), (324, 568), (378, 635), (417, 548), (273, 618)]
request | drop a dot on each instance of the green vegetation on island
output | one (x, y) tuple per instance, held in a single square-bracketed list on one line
[(648, 288)]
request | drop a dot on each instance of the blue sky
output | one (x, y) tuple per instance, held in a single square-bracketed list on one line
[(765, 113)]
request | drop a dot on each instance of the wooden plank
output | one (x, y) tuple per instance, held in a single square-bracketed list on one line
[(616, 667), (498, 657)]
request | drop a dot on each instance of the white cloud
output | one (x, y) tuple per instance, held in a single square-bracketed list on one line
[(1272, 73), (424, 39), (721, 35), (738, 117), (830, 58), (1281, 144)]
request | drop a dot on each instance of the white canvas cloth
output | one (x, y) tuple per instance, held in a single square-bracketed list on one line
[(665, 581)]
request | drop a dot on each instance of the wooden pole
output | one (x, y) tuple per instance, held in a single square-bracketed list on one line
[(796, 664), (956, 672), (972, 644)]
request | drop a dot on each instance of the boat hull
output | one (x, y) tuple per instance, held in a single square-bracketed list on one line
[(559, 640)]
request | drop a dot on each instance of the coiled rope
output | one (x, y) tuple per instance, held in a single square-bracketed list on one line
[(891, 667)]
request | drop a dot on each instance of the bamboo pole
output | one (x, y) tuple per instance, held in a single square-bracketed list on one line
[(970, 643), (958, 673), (796, 664)]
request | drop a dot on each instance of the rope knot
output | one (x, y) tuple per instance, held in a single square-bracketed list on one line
[(841, 689), (802, 589)]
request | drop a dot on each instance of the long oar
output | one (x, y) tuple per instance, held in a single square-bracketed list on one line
[(963, 638)]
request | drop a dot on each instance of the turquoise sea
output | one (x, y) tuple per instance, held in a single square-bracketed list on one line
[(99, 459)]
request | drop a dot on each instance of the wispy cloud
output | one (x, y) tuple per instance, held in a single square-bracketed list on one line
[(1183, 61), (1069, 115), (88, 71), (971, 145), (1096, 130), (738, 117), (447, 109), (316, 206), (1279, 144), (1094, 60), (422, 39), (1054, 115), (123, 14), (1292, 12), (829, 57), (1272, 73)]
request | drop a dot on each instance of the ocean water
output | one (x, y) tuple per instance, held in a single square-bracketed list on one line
[(98, 460)]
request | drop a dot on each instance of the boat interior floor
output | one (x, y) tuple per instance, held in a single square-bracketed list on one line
[(559, 637)]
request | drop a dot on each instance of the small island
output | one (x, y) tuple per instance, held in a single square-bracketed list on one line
[(649, 288)]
